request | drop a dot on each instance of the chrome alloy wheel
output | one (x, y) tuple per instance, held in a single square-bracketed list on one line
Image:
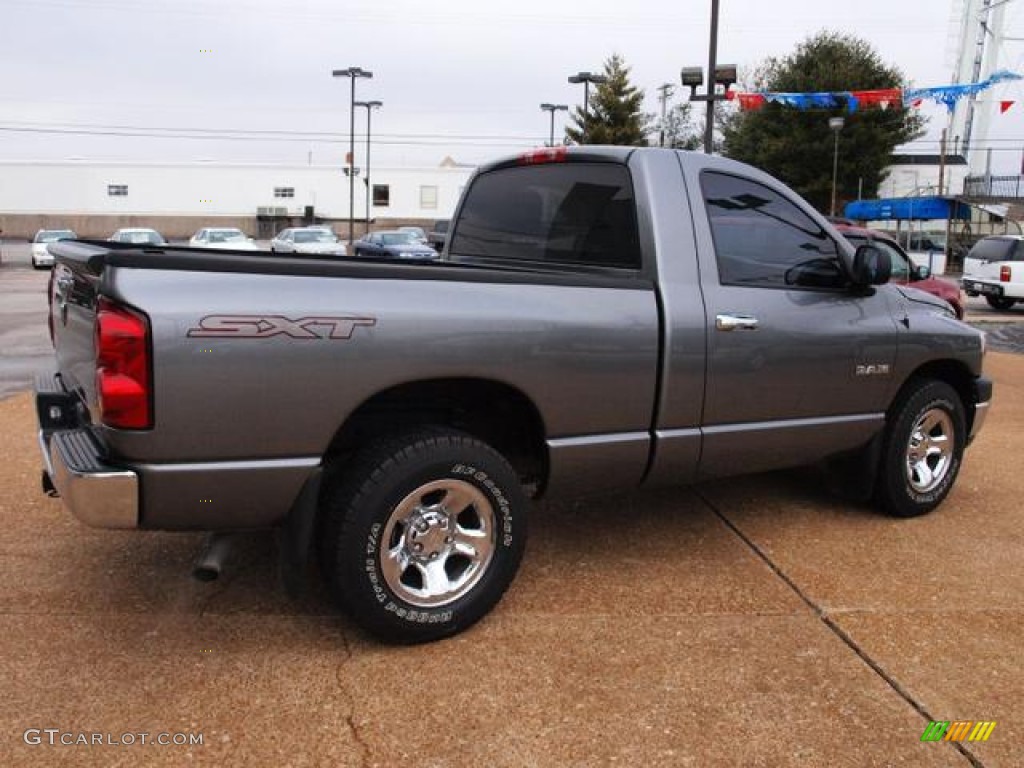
[(437, 543), (930, 450)]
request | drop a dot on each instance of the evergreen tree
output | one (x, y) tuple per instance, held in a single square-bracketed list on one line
[(797, 145), (681, 131), (615, 115)]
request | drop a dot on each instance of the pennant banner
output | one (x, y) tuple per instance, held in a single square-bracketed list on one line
[(879, 99)]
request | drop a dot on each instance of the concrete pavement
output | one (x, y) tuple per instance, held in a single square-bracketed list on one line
[(754, 622)]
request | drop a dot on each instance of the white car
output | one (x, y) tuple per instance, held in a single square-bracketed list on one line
[(316, 240), (228, 238), (41, 256), (138, 236), (994, 268)]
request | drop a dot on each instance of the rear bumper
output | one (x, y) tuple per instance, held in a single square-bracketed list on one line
[(974, 286), (97, 494)]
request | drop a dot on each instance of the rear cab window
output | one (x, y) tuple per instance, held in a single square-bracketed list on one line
[(559, 215)]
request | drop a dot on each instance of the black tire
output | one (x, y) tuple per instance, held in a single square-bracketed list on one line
[(912, 481), (396, 497), (1000, 303)]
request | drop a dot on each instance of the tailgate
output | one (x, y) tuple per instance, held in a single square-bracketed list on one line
[(73, 293)]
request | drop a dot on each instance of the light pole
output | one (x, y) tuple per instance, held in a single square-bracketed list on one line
[(586, 78), (552, 108), (693, 77), (836, 124), (353, 73), (370, 106)]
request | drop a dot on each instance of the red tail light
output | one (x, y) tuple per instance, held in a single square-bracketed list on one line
[(541, 156), (1004, 274), (122, 367)]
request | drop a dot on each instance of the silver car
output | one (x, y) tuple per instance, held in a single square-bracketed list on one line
[(138, 236), (318, 240), (41, 256), (222, 237)]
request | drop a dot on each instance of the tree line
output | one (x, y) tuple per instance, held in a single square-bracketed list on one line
[(794, 145)]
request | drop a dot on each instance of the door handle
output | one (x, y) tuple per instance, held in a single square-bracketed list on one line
[(736, 323)]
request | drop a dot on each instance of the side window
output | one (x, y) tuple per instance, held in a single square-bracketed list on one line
[(764, 240), (562, 213)]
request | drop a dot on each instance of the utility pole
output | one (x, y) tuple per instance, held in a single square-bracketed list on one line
[(665, 92)]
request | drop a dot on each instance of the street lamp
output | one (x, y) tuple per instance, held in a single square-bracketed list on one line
[(552, 108), (586, 78), (370, 106), (724, 75), (836, 124), (353, 73)]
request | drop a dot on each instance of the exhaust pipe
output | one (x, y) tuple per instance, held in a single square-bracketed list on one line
[(214, 554)]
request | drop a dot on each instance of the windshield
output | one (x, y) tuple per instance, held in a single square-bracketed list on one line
[(54, 235), (226, 235), (315, 236), (398, 238), (140, 237)]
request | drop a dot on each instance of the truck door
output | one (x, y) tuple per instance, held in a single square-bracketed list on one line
[(799, 365)]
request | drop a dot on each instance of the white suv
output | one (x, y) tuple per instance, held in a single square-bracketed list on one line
[(994, 268)]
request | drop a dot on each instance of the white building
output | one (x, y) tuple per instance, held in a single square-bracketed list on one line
[(180, 198)]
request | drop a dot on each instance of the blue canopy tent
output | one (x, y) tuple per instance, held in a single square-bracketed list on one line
[(908, 209)]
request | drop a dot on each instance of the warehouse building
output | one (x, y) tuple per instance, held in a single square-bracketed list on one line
[(96, 198)]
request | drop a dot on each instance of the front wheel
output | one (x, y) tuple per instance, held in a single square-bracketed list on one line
[(422, 534), (1002, 304), (923, 448)]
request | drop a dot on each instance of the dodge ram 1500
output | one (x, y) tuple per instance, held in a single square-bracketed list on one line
[(601, 319)]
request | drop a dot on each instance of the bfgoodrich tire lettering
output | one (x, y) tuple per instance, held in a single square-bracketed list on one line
[(422, 534), (923, 448)]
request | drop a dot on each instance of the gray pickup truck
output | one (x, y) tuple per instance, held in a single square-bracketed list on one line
[(602, 319)]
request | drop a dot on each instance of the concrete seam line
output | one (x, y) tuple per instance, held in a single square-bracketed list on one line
[(834, 628)]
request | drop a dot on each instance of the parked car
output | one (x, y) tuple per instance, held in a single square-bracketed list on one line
[(905, 271), (421, 236), (222, 237), (437, 237), (607, 319), (308, 240), (393, 245), (994, 268), (41, 256), (138, 236)]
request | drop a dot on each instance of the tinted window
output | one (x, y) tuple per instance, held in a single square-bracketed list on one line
[(762, 239), (994, 249), (572, 213)]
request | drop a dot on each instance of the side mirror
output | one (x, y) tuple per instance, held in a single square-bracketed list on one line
[(922, 272), (871, 266)]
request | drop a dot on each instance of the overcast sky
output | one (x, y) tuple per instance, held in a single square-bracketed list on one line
[(456, 77)]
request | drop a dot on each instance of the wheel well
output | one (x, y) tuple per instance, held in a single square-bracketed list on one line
[(956, 375), (500, 415)]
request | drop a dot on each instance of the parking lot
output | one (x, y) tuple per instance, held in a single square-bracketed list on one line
[(753, 622)]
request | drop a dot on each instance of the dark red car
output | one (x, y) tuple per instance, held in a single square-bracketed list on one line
[(903, 269)]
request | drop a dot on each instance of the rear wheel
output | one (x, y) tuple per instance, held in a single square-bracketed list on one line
[(422, 534), (1002, 304), (923, 448)]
